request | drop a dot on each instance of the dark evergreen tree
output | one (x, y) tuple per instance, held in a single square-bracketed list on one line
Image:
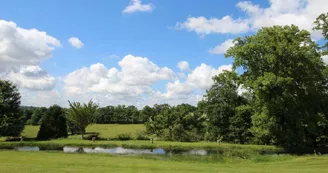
[(53, 124), (12, 120)]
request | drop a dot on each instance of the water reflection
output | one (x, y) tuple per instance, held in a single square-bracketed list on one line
[(27, 148), (119, 150)]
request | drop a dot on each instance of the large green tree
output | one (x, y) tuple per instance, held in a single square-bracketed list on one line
[(284, 71), (82, 115), (11, 119)]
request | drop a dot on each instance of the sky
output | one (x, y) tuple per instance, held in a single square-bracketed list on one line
[(133, 52)]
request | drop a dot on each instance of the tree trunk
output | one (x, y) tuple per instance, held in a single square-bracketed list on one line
[(82, 133)]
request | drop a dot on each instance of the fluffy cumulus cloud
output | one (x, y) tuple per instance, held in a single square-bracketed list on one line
[(44, 98), (193, 88), (75, 42), (222, 48), (279, 12), (203, 26), (284, 12), (21, 51), (137, 6), (133, 83), (141, 71), (32, 77), (183, 66), (19, 46), (124, 85)]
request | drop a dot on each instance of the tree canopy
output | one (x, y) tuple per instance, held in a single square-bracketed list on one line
[(284, 72), (53, 124), (11, 119), (81, 115)]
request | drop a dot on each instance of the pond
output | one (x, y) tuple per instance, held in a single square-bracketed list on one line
[(119, 150)]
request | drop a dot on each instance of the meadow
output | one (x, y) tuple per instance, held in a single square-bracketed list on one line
[(110, 131), (105, 130), (230, 157), (14, 161)]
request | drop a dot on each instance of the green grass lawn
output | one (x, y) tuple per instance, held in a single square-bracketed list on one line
[(105, 130), (13, 161)]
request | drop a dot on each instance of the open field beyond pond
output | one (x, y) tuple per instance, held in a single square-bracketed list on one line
[(105, 130), (14, 161)]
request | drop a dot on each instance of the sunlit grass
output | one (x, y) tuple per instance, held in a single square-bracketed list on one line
[(105, 130), (13, 161)]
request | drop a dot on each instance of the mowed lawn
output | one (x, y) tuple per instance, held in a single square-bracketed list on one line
[(105, 130), (14, 161)]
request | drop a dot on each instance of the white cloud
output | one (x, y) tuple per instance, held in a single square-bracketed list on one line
[(32, 77), (136, 5), (130, 82), (280, 12), (199, 79), (325, 59), (183, 65), (140, 71), (204, 26), (19, 46), (75, 42), (222, 48), (285, 12), (44, 98), (201, 76)]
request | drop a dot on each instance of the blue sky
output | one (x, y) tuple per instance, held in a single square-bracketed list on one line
[(158, 32)]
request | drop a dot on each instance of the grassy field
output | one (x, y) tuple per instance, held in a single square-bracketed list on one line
[(13, 161), (105, 130)]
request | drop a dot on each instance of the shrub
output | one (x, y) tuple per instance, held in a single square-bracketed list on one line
[(13, 139), (141, 135), (124, 136)]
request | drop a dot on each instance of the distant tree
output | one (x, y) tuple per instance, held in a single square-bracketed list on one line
[(53, 124), (133, 115), (37, 115), (147, 113), (11, 119), (81, 115), (178, 123), (105, 115), (26, 113)]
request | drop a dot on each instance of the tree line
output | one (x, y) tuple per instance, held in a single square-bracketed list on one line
[(279, 97)]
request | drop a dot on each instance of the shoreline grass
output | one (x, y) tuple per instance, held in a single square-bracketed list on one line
[(21, 161)]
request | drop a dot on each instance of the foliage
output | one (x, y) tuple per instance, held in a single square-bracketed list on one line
[(120, 114), (179, 123), (53, 124), (227, 111), (11, 119), (284, 71), (37, 115), (141, 135), (81, 115), (124, 136), (321, 24)]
